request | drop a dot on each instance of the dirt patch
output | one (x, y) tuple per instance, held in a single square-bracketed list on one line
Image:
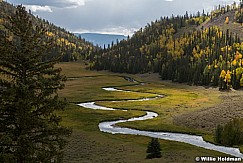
[(207, 119), (85, 148)]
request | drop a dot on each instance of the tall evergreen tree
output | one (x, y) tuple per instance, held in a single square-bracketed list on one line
[(29, 128)]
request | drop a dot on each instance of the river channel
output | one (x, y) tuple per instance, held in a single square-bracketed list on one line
[(111, 127)]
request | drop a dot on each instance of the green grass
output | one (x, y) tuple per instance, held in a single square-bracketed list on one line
[(88, 144), (80, 88), (177, 101), (87, 119)]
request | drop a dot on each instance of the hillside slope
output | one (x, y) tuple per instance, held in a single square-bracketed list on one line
[(179, 49), (232, 26), (71, 47)]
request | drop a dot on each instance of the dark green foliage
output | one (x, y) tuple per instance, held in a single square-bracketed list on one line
[(230, 134), (218, 134), (154, 150), (29, 128)]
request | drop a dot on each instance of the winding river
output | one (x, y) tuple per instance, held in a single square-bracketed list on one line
[(111, 127)]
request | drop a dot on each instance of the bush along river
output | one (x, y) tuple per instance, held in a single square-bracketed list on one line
[(111, 127)]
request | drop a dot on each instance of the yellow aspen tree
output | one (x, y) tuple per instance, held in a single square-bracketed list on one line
[(222, 74), (227, 78), (226, 20)]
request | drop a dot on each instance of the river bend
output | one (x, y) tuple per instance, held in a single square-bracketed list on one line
[(111, 127)]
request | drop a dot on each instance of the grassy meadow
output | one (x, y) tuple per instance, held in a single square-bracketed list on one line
[(88, 144)]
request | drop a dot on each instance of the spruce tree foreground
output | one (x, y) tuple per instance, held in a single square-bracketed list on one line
[(30, 131)]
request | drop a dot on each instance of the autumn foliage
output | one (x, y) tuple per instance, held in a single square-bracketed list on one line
[(179, 51)]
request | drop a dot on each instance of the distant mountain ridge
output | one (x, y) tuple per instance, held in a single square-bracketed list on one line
[(101, 39)]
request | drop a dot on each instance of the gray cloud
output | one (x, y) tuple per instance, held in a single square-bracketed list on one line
[(36, 8), (51, 3), (114, 16)]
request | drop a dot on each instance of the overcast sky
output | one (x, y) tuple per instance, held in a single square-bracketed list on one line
[(112, 16)]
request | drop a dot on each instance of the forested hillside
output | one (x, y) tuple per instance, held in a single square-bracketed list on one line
[(183, 49), (71, 47)]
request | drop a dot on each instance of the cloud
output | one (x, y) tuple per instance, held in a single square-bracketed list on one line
[(74, 3), (51, 3), (110, 30), (119, 30), (35, 8), (113, 16)]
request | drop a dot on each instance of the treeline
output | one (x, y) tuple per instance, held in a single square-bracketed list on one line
[(71, 47), (175, 49)]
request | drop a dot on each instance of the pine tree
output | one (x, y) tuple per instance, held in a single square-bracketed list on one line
[(29, 128), (154, 150)]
